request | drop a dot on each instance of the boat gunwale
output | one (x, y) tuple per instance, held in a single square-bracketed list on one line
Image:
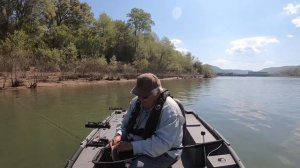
[(218, 135), (209, 128)]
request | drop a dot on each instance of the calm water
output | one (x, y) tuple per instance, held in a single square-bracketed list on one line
[(260, 117)]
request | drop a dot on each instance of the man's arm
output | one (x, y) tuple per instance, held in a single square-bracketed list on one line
[(165, 136), (121, 128)]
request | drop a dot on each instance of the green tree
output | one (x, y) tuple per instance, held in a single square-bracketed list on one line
[(68, 58), (198, 66), (59, 37), (165, 57), (141, 64), (72, 13), (88, 43), (90, 65), (113, 65), (141, 22), (15, 14), (187, 62), (207, 71), (124, 42), (106, 34), (15, 51), (46, 59)]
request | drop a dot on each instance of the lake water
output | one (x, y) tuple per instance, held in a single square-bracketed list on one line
[(260, 117)]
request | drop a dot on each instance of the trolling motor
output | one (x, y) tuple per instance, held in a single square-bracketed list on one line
[(204, 151)]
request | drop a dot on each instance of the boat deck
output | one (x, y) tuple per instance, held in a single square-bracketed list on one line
[(191, 157)]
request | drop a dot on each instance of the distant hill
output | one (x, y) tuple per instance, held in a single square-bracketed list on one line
[(280, 70), (276, 71), (235, 71)]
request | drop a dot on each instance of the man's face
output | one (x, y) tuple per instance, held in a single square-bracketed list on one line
[(149, 101)]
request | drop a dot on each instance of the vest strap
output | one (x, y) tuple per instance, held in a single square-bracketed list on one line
[(153, 119)]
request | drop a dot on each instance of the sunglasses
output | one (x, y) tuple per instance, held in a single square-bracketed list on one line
[(153, 92), (144, 97)]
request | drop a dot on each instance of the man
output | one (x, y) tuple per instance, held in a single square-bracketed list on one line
[(152, 126)]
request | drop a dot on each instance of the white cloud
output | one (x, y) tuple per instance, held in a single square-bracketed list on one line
[(251, 44), (289, 36), (183, 50), (242, 64), (177, 12), (176, 42), (269, 62), (291, 9), (178, 45), (296, 21), (222, 62)]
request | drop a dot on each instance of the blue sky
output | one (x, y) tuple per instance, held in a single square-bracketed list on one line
[(230, 34)]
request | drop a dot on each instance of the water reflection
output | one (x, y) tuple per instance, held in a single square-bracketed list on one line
[(290, 145), (259, 116)]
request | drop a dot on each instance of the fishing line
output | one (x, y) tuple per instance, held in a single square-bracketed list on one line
[(65, 130), (51, 122), (214, 150)]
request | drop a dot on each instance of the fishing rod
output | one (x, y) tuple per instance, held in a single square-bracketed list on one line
[(204, 151), (105, 123)]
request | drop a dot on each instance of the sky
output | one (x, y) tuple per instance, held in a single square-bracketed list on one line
[(230, 34)]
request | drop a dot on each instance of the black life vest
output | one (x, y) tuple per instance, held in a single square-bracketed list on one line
[(153, 119)]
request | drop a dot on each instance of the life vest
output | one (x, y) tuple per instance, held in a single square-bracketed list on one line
[(153, 119)]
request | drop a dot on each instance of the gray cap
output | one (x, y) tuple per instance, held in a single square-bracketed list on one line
[(145, 83)]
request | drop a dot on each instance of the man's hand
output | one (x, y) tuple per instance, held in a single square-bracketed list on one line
[(120, 146), (123, 146), (116, 140)]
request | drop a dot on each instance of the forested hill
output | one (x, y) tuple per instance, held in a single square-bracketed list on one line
[(65, 36), (272, 71), (284, 70)]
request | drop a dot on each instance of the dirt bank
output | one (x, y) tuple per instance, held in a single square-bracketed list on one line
[(62, 83)]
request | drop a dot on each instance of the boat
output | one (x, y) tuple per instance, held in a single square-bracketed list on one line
[(202, 145)]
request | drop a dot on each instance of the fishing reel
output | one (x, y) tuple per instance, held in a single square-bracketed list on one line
[(97, 125), (101, 143)]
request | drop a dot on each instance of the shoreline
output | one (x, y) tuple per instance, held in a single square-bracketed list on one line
[(76, 82)]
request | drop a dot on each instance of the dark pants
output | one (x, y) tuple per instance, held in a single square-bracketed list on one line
[(144, 161)]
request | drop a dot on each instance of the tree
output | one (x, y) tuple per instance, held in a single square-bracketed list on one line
[(46, 59), (15, 14), (63, 35), (141, 22), (72, 13), (198, 66), (124, 42), (167, 50), (89, 43), (92, 65), (106, 33), (68, 57), (113, 65), (59, 37), (207, 71), (14, 51), (141, 64)]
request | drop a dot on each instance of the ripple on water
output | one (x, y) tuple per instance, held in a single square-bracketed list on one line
[(286, 161)]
